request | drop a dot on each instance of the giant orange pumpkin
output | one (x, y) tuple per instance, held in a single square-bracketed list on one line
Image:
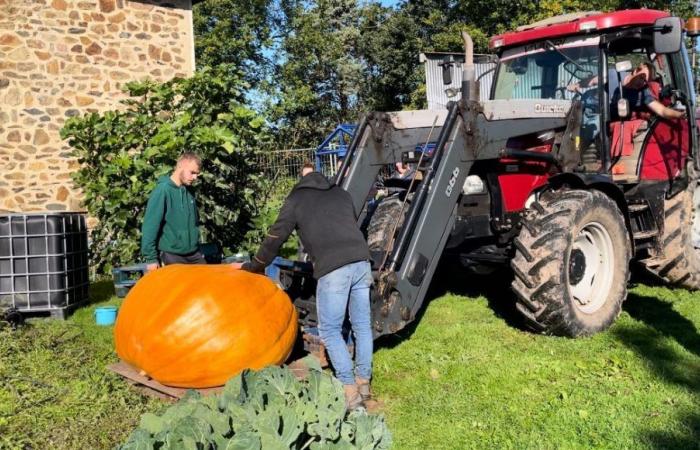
[(197, 326)]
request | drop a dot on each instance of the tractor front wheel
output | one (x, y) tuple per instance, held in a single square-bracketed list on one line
[(388, 217), (571, 263)]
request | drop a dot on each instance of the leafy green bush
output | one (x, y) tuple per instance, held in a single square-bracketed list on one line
[(268, 206), (122, 153), (269, 409)]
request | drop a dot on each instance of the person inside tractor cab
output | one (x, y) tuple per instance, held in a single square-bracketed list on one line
[(403, 171), (643, 91), (587, 89)]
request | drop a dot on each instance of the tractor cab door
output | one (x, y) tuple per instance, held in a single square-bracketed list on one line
[(642, 145)]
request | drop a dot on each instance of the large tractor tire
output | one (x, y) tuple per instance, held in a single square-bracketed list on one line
[(571, 263), (386, 218), (679, 264)]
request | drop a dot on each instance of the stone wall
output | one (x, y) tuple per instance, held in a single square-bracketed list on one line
[(63, 58)]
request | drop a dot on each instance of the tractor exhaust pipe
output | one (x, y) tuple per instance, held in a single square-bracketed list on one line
[(470, 87)]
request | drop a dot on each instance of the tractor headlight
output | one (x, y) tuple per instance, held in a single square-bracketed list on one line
[(473, 185)]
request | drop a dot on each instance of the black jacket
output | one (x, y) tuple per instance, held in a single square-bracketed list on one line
[(326, 221)]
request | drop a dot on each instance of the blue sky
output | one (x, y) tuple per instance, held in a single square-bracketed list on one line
[(388, 2)]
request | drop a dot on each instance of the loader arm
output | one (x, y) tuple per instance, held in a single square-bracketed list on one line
[(463, 134)]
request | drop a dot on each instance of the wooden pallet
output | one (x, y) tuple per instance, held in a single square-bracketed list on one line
[(152, 388)]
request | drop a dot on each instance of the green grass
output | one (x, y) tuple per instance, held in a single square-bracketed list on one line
[(54, 389), (463, 377)]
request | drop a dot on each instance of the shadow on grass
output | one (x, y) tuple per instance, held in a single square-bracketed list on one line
[(661, 316), (662, 321), (452, 278), (100, 291), (675, 442)]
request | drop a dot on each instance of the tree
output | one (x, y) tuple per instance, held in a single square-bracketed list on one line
[(236, 33), (391, 71), (122, 153), (317, 83)]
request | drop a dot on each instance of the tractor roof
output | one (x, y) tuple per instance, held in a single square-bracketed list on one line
[(576, 23)]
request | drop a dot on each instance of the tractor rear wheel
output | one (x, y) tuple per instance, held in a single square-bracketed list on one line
[(571, 263), (679, 264)]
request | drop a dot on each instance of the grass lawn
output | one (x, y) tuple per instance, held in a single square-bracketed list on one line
[(465, 376)]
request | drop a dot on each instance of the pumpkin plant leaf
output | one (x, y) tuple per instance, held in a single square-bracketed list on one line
[(152, 423), (242, 441), (292, 427), (268, 409), (272, 442), (219, 422), (312, 362), (339, 445), (140, 439)]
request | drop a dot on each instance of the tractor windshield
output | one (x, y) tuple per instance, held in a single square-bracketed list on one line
[(547, 70)]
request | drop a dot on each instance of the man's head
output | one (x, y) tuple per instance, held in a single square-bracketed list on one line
[(640, 76), (401, 167), (187, 169), (306, 169)]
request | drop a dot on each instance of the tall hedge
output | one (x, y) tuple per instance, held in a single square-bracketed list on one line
[(122, 153)]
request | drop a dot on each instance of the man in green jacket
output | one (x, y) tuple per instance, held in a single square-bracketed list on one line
[(170, 231)]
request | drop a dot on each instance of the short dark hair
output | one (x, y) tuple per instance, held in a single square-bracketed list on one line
[(190, 156), (651, 68)]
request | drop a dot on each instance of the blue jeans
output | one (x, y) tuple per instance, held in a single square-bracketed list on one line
[(346, 289)]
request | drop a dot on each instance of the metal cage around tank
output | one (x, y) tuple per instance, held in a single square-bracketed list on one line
[(43, 262)]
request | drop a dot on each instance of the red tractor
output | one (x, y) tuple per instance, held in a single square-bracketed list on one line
[(584, 159)]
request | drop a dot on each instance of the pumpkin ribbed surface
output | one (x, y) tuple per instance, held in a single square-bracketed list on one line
[(199, 325)]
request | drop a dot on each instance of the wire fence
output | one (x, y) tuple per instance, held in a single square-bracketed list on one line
[(281, 164), (328, 164), (285, 163)]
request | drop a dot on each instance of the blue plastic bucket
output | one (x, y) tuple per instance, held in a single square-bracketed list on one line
[(105, 315)]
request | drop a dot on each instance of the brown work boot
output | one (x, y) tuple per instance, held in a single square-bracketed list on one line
[(353, 399), (364, 389), (370, 403)]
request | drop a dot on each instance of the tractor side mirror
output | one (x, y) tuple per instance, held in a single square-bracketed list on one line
[(446, 65), (623, 108), (667, 35)]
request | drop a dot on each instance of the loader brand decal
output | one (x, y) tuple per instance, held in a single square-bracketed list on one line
[(544, 108), (452, 182)]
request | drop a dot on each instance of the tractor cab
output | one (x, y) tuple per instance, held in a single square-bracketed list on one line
[(615, 65)]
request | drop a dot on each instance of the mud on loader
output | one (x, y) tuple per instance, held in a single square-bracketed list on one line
[(565, 187)]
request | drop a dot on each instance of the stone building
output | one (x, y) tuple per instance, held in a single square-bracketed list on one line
[(63, 58)]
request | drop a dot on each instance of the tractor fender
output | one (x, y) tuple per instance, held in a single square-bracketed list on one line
[(599, 182)]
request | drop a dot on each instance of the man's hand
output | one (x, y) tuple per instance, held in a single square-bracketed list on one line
[(237, 265), (151, 267), (574, 87)]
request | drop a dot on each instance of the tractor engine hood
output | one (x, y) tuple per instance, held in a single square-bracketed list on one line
[(492, 110)]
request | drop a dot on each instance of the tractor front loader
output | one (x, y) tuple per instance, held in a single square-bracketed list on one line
[(564, 186)]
